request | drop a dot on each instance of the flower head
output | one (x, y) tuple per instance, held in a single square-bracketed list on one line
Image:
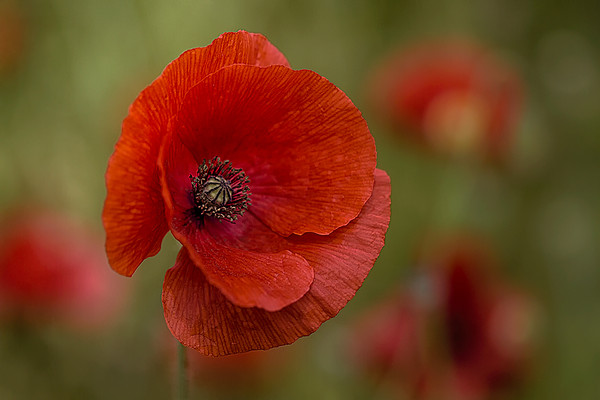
[(13, 36), (451, 96), (266, 175), (53, 269), (239, 375), (459, 332)]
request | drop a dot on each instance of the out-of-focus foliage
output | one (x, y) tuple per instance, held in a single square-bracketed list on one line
[(69, 70)]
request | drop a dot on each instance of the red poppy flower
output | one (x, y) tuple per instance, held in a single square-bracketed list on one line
[(460, 332), (13, 32), (53, 269), (267, 177), (243, 375), (452, 97)]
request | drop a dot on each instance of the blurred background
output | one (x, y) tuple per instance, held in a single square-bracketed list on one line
[(68, 72)]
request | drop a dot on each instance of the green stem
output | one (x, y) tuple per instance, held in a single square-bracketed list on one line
[(182, 379)]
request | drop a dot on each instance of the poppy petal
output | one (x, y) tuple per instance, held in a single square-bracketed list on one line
[(201, 317), (269, 281), (305, 147), (343, 259), (133, 213)]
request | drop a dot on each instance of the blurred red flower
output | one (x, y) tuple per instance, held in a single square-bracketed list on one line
[(460, 332), (13, 35), (451, 96), (53, 269), (243, 375), (256, 270)]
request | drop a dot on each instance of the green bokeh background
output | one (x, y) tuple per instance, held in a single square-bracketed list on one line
[(85, 61)]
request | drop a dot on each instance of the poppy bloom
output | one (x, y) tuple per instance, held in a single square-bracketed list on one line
[(242, 375), (53, 269), (245, 375), (452, 97), (13, 36), (235, 373), (460, 332), (266, 175)]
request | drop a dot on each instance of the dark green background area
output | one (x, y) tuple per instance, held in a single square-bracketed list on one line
[(85, 62)]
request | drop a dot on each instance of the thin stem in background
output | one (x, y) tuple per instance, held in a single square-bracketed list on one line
[(182, 378)]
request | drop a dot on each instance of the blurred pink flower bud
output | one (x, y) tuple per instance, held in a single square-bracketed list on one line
[(54, 269)]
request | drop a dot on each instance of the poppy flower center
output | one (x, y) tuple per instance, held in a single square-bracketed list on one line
[(220, 191)]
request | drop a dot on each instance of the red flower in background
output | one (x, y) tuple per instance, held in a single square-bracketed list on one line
[(460, 332), (243, 375), (53, 269), (267, 177), (13, 36), (243, 369), (452, 97)]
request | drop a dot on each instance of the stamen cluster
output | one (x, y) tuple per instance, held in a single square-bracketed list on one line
[(220, 191)]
